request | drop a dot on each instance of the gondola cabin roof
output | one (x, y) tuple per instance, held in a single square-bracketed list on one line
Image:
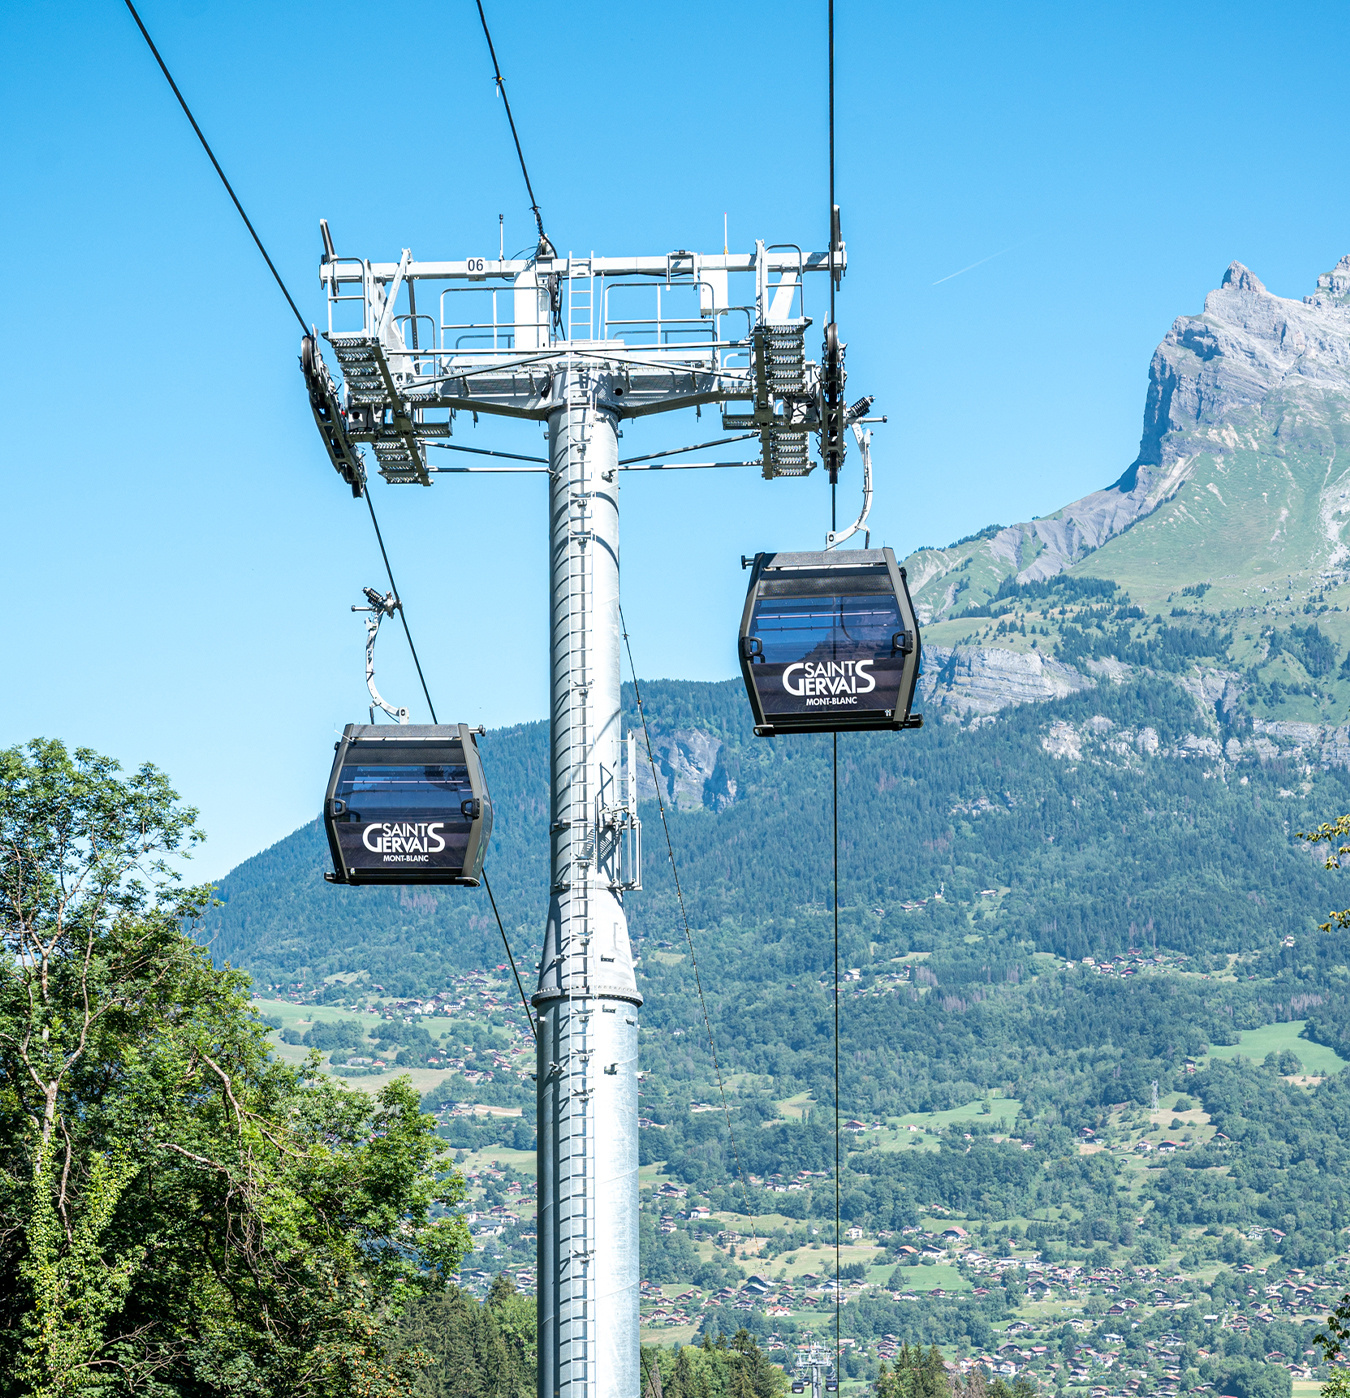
[(829, 643), (407, 804)]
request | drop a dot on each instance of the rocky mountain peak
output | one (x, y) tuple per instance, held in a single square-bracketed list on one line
[(1227, 540), (1251, 360), (1333, 287), (1254, 374), (1241, 278)]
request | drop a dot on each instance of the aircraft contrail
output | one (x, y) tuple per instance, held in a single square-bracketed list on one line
[(980, 263)]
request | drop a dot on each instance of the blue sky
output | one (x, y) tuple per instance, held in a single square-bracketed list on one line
[(178, 557)]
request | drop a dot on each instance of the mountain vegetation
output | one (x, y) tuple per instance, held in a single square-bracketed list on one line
[(180, 1212), (1095, 1007)]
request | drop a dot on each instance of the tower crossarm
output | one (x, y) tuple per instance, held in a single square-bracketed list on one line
[(418, 343), (626, 385), (774, 261)]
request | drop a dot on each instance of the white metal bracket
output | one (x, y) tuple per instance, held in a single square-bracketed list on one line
[(380, 607), (618, 831)]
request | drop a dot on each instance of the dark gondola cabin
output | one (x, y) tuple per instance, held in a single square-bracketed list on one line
[(829, 643), (407, 803)]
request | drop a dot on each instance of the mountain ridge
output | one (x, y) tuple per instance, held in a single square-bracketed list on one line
[(1245, 348), (1229, 518), (1261, 673)]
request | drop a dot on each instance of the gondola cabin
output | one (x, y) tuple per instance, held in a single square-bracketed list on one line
[(407, 804), (829, 643)]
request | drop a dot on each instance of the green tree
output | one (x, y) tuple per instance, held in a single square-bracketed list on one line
[(178, 1211), (1334, 1342), (722, 1369), (476, 1351), (752, 1375), (916, 1375)]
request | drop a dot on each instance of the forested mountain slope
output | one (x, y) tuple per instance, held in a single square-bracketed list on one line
[(1112, 819), (1150, 802), (1067, 904)]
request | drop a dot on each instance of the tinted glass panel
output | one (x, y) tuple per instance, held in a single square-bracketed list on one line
[(371, 791), (824, 657), (825, 628)]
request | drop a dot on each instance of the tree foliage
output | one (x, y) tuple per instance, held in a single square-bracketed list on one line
[(178, 1211), (486, 1350), (721, 1368)]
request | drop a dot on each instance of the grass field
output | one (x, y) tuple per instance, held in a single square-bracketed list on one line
[(521, 1161), (930, 1278), (1003, 1111), (1256, 1043), (667, 1334), (818, 1260), (897, 1135), (300, 1017)]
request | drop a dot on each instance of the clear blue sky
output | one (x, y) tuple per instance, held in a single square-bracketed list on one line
[(178, 557)]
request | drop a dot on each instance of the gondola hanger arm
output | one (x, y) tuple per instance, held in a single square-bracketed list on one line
[(381, 606), (856, 416)]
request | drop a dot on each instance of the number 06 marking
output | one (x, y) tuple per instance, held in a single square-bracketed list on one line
[(477, 266)]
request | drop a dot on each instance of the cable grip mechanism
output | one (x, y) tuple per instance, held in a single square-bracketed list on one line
[(381, 606)]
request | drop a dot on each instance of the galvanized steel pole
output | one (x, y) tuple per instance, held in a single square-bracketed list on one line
[(569, 365), (587, 997)]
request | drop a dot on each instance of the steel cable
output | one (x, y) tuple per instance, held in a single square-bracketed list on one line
[(229, 188), (290, 301), (835, 811), (398, 601), (379, 537), (834, 485), (684, 914), (834, 756), (520, 154), (510, 956)]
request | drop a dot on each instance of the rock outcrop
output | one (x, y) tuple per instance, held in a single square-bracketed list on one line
[(1252, 372), (690, 773), (1249, 356), (1301, 747), (977, 680)]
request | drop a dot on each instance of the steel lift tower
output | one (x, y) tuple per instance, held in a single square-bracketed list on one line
[(579, 344)]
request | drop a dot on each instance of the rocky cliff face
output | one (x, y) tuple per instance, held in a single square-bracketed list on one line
[(1250, 358), (975, 681), (691, 775), (1233, 508), (1300, 748), (1253, 371)]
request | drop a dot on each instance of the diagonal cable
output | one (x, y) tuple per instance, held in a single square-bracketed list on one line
[(229, 188), (271, 266), (834, 768), (510, 956), (384, 553), (398, 601), (684, 914), (520, 154)]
